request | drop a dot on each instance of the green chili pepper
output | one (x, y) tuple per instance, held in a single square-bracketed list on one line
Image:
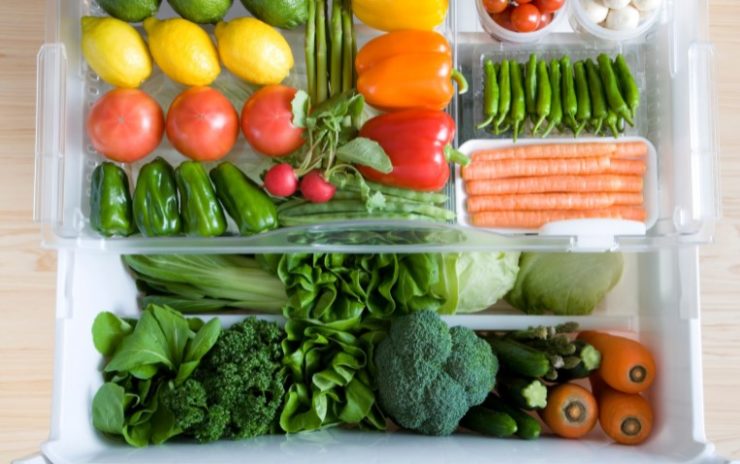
[(611, 122), (518, 104), (544, 95), (490, 94), (530, 87), (202, 214), (504, 102), (556, 108), (627, 84), (246, 203), (583, 114), (570, 101), (598, 99), (611, 88), (156, 208), (110, 201)]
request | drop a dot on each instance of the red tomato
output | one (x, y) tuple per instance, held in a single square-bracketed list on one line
[(495, 6), (503, 19), (125, 125), (525, 18), (267, 121), (202, 124), (548, 6), (545, 20), (523, 1)]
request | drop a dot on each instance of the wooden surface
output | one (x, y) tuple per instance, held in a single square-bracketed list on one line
[(27, 273)]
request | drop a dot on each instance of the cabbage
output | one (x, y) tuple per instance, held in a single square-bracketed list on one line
[(484, 278)]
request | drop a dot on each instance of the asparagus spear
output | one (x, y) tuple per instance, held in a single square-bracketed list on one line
[(348, 53), (336, 49), (310, 50), (321, 69)]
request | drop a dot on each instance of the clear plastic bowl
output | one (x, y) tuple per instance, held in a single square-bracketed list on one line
[(502, 34), (581, 23)]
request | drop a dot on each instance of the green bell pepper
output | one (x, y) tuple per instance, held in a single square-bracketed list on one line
[(110, 201), (156, 209), (250, 207), (202, 214)]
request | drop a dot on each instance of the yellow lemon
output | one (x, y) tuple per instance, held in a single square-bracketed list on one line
[(254, 51), (183, 51), (115, 51)]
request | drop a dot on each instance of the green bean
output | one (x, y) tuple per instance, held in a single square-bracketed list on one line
[(352, 184), (321, 70), (335, 50), (490, 94), (504, 101), (583, 114), (518, 104), (627, 84), (598, 99), (310, 50), (544, 95), (348, 57), (357, 216), (556, 108), (569, 99), (611, 88), (530, 87)]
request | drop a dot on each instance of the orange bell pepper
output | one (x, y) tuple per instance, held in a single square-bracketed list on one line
[(408, 69)]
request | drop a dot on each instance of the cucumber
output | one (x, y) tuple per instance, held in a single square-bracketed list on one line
[(527, 426), (520, 358), (524, 392), (487, 422)]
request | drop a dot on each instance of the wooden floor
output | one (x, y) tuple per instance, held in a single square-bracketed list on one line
[(27, 273)]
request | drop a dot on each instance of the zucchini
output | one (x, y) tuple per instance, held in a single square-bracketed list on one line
[(524, 392), (488, 422), (527, 426), (520, 358)]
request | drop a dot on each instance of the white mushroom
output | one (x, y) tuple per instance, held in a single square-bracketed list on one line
[(616, 4), (623, 20), (595, 10), (646, 5)]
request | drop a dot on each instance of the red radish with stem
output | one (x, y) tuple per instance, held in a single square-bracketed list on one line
[(281, 180), (316, 189)]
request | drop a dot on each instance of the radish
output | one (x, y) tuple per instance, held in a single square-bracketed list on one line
[(316, 189), (281, 181)]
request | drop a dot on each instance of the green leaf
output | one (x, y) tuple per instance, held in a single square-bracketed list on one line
[(108, 409), (146, 345), (365, 152), (176, 331), (185, 371), (108, 330), (203, 341), (163, 426), (300, 107), (145, 372), (138, 435)]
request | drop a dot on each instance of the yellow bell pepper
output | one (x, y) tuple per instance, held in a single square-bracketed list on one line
[(392, 15)]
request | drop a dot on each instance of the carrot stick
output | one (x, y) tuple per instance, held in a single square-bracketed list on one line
[(627, 167), (479, 170), (551, 184), (625, 418), (626, 365), (551, 201), (631, 150), (546, 151), (571, 411), (536, 219)]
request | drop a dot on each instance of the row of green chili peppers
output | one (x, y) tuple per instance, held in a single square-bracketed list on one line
[(561, 94), (168, 201)]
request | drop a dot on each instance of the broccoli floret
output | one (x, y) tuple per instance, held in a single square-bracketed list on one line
[(429, 375), (237, 390)]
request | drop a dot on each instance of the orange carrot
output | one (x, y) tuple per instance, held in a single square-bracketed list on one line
[(537, 219), (551, 201), (631, 150), (479, 170), (626, 365), (546, 151), (550, 184), (571, 411), (627, 167), (625, 418)]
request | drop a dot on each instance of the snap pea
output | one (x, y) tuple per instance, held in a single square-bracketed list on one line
[(627, 83), (568, 91), (530, 87), (518, 104), (504, 101), (556, 108), (544, 95), (598, 100), (583, 113), (611, 87), (490, 94)]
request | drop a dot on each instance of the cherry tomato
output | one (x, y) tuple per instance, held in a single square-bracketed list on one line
[(202, 124), (267, 121), (548, 6), (125, 125), (495, 6), (545, 20), (525, 18), (503, 19)]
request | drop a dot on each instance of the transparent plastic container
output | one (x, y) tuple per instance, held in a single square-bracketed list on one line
[(499, 32), (582, 23)]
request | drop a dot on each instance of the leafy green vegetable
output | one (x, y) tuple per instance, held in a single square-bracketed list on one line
[(367, 153), (108, 408), (567, 284), (108, 330), (484, 278)]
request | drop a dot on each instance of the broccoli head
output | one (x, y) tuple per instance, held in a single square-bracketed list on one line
[(428, 375)]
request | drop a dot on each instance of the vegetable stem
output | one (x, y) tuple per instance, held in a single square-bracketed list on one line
[(321, 69), (336, 50), (348, 54), (310, 50)]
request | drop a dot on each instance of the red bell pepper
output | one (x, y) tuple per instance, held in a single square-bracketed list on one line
[(418, 145)]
